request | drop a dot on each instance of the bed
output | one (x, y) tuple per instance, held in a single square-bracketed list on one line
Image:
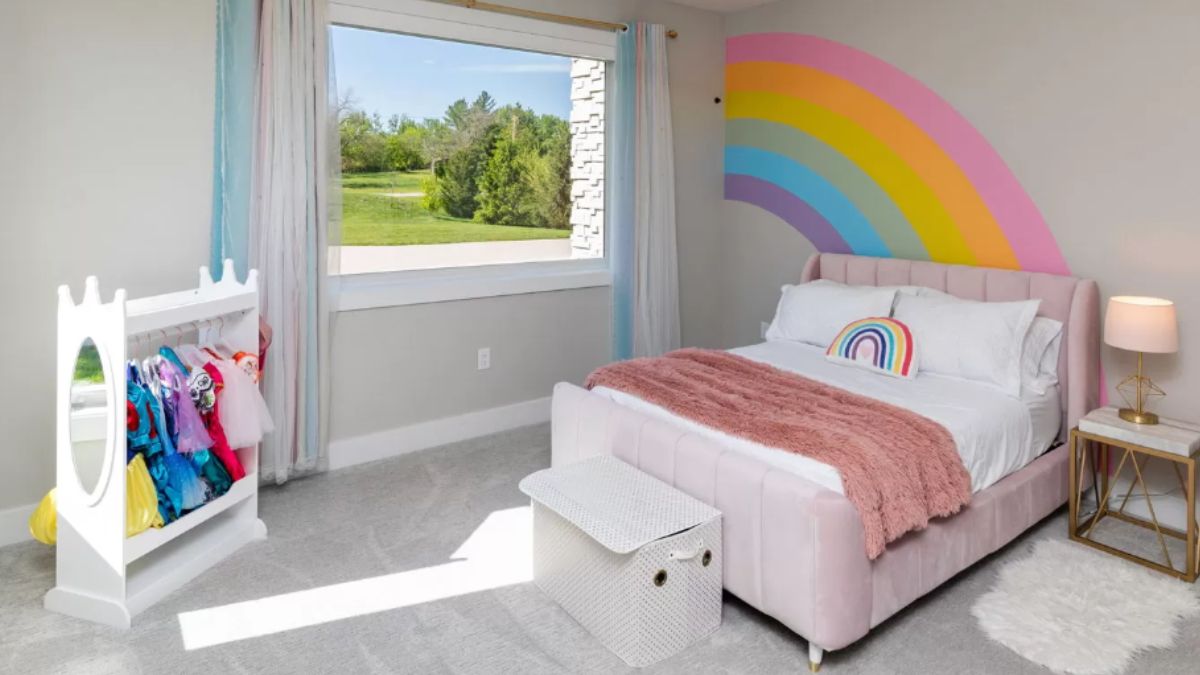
[(792, 542)]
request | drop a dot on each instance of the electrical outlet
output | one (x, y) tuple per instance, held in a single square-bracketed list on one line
[(484, 360), (762, 329)]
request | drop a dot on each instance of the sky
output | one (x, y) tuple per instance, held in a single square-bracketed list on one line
[(394, 74)]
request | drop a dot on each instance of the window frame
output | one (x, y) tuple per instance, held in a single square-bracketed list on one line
[(448, 22)]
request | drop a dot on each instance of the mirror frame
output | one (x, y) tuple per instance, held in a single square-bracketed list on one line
[(106, 467)]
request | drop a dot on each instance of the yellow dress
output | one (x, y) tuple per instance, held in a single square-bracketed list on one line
[(141, 506)]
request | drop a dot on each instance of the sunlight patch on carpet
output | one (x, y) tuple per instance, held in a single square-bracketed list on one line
[(498, 553)]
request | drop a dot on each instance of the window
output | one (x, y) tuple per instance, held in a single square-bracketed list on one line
[(465, 155)]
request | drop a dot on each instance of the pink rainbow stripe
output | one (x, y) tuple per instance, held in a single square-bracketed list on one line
[(1022, 223)]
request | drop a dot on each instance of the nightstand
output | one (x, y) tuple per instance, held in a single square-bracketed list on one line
[(1103, 437)]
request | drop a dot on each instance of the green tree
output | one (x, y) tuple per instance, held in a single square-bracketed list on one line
[(456, 114), (404, 150), (527, 180), (465, 144), (501, 165), (437, 142), (363, 145), (484, 102), (506, 195), (551, 176), (458, 176)]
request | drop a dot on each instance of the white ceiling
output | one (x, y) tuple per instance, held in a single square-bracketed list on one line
[(723, 6)]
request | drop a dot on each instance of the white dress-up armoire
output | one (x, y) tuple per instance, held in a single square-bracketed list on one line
[(101, 575)]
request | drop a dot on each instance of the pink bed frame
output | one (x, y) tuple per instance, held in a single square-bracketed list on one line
[(793, 549)]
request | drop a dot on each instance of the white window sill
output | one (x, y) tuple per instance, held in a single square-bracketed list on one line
[(413, 287)]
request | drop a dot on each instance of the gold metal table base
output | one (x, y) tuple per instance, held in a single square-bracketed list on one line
[(1082, 527)]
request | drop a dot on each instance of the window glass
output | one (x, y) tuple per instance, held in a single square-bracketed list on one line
[(456, 154)]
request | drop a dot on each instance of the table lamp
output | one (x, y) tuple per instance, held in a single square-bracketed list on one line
[(1140, 325)]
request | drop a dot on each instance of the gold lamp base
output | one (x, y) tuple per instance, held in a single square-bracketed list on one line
[(1137, 389), (1131, 415)]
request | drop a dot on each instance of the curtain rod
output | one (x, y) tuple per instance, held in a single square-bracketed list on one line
[(544, 16)]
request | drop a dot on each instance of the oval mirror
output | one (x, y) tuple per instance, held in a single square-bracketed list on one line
[(89, 417)]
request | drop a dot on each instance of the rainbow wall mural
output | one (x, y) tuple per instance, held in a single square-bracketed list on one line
[(861, 158)]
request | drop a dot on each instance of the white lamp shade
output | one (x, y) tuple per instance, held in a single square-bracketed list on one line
[(1141, 324)]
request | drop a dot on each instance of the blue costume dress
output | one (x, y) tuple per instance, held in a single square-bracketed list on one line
[(144, 439)]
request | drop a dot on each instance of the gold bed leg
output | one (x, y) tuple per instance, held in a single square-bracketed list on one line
[(815, 654)]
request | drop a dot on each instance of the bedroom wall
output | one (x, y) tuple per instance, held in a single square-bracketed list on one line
[(105, 169), (1092, 106), (403, 366)]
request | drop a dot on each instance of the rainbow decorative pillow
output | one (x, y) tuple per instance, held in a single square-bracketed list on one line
[(876, 343)]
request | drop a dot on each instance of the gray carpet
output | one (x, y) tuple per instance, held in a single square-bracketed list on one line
[(414, 511)]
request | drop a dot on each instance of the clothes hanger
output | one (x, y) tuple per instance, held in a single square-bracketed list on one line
[(195, 329), (220, 345)]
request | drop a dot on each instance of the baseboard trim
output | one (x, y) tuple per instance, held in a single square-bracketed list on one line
[(346, 452), (14, 524)]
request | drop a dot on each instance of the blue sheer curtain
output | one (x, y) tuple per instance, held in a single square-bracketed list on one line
[(237, 68), (620, 239), (642, 228), (273, 210)]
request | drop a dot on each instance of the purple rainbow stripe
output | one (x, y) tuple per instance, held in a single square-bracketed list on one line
[(1018, 217), (789, 207), (875, 336)]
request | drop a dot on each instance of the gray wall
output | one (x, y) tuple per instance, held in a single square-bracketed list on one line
[(1093, 106), (402, 365), (106, 150), (105, 168)]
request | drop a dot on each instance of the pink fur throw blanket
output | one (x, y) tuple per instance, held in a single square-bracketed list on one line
[(899, 469)]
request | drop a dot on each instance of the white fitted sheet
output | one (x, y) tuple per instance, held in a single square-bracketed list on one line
[(995, 434)]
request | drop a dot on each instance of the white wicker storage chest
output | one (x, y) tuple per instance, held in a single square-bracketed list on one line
[(632, 559)]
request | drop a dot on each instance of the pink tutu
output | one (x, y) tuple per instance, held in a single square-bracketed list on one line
[(243, 411)]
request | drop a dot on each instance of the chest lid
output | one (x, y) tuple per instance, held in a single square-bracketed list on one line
[(620, 507)]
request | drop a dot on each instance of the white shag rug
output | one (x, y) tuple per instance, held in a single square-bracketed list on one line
[(1076, 610)]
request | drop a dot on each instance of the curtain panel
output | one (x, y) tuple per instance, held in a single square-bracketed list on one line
[(287, 232), (233, 132), (642, 238)]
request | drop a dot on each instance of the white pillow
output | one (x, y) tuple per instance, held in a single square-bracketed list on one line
[(921, 291), (925, 292), (1039, 354), (815, 312), (979, 341)]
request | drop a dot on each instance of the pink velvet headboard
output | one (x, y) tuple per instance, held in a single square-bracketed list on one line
[(1074, 302)]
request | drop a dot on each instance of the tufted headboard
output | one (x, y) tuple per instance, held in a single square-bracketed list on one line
[(1074, 302)]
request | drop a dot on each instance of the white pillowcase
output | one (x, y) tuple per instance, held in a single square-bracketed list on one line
[(979, 341), (815, 312), (921, 291), (1039, 355)]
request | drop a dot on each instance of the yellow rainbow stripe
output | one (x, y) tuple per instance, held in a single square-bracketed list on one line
[(927, 186), (862, 158)]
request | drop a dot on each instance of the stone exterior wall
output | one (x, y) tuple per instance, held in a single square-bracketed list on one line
[(587, 158)]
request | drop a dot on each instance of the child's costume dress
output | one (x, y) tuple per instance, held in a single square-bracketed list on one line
[(190, 437)]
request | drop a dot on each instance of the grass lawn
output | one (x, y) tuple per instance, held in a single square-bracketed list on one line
[(370, 217)]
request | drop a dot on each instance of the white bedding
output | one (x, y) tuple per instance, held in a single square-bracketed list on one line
[(996, 434)]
